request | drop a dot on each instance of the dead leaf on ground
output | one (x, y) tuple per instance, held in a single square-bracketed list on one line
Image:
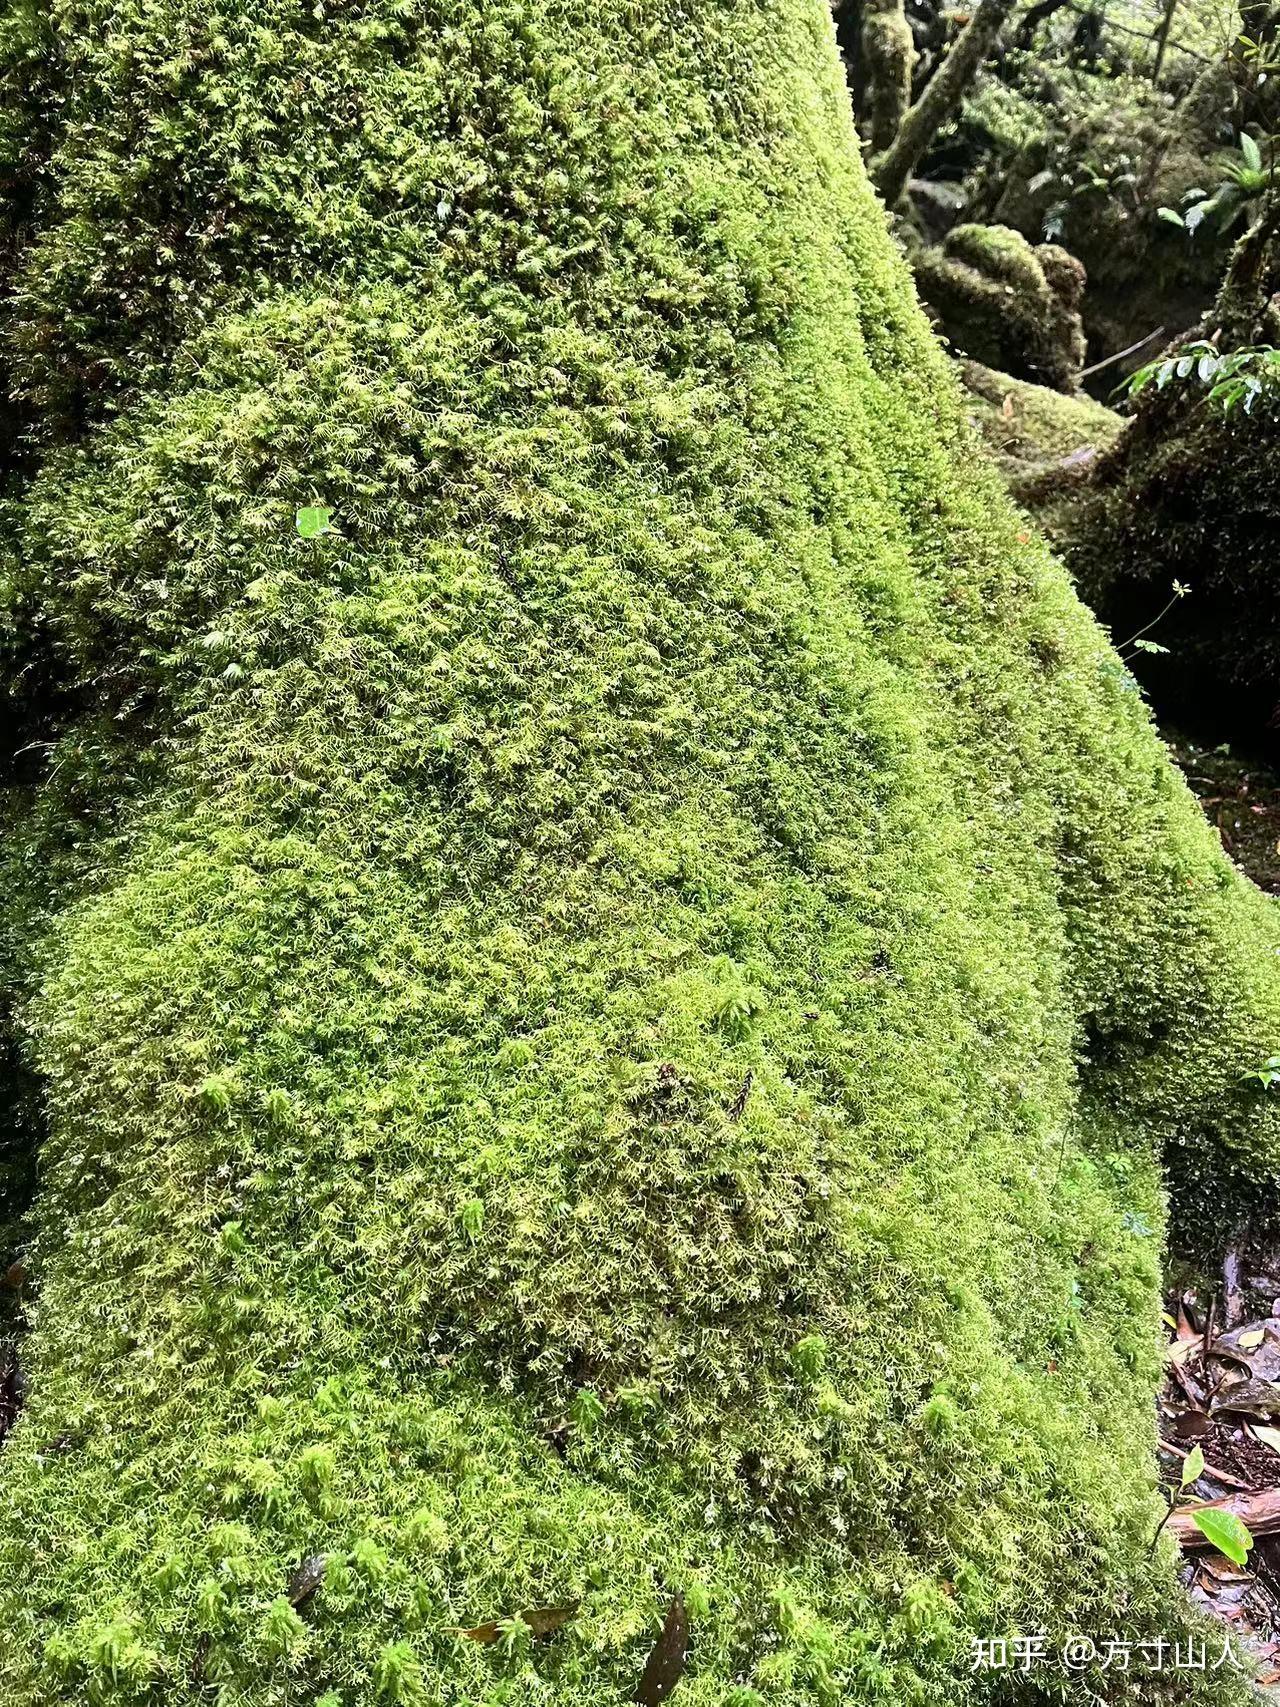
[(1250, 1399), (1178, 1350), (1255, 1345), (542, 1621), (1186, 1337), (1268, 1436), (666, 1663), (1222, 1569), (1191, 1425)]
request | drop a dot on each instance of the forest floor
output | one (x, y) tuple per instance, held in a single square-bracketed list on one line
[(1222, 1383), (1221, 1393), (1241, 797)]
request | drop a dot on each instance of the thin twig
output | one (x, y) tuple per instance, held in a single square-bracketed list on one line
[(1143, 35), (1119, 356), (1210, 1470)]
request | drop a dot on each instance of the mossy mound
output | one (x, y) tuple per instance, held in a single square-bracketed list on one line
[(612, 1023), (1190, 494), (1030, 430), (1007, 304)]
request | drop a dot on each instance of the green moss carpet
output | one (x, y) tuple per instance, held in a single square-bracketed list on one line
[(610, 1023)]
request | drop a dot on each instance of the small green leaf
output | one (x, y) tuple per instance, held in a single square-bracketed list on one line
[(313, 520), (586, 1411), (216, 1092), (809, 1356), (1171, 216), (1192, 1466), (472, 1218), (1252, 153), (1225, 1531)]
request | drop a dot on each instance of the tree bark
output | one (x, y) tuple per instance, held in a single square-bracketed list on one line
[(1246, 311), (941, 96)]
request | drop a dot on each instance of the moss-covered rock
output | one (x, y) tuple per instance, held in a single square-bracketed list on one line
[(1008, 304), (614, 1010), (1044, 443)]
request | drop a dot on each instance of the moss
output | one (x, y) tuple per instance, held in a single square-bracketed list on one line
[(1033, 431), (1190, 494), (1096, 182), (887, 56), (613, 1023), (1000, 254), (1006, 303), (1002, 117)]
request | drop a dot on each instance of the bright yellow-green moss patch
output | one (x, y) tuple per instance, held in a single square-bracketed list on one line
[(610, 1025)]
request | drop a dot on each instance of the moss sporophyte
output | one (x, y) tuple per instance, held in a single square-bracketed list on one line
[(396, 914)]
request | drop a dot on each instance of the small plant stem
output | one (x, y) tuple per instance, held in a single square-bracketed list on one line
[(1160, 1526), (1155, 619)]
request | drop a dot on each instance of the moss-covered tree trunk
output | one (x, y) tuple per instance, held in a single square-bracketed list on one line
[(939, 99), (608, 1019), (888, 54)]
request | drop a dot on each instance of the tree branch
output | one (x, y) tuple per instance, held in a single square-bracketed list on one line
[(939, 99), (888, 54)]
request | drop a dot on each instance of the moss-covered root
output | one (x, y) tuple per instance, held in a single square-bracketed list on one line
[(1031, 431), (608, 1022)]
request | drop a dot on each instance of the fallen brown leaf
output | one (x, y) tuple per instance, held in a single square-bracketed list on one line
[(665, 1665), (1250, 1399), (542, 1620), (1268, 1436)]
